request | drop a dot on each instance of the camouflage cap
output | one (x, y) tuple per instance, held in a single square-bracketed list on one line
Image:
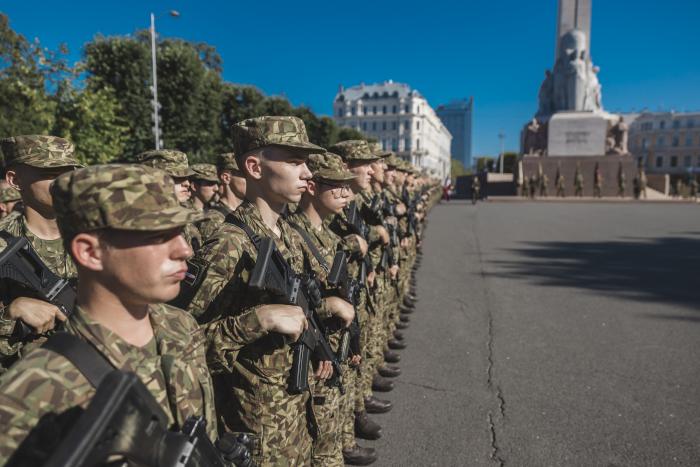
[(255, 133), (39, 151), (404, 166), (206, 172), (118, 196), (328, 166), (377, 150), (173, 162), (393, 161), (9, 194), (227, 161), (354, 150)]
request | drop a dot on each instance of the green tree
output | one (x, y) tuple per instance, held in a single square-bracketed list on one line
[(457, 169), (90, 119)]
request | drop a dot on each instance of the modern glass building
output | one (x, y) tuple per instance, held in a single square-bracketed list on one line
[(457, 117)]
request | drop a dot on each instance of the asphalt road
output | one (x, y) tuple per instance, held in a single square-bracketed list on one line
[(552, 334)]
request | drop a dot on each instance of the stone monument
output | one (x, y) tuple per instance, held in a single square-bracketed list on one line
[(570, 121)]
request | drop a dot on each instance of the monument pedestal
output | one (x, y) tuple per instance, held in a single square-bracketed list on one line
[(577, 134)]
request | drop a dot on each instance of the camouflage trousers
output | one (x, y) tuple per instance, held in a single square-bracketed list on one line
[(348, 406), (327, 447), (275, 420)]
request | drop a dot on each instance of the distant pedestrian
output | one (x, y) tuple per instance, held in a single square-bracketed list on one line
[(621, 181)]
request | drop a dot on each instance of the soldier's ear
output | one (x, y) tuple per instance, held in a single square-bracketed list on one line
[(86, 250), (12, 179), (311, 187), (253, 165)]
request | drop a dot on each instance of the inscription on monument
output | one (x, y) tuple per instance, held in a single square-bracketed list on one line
[(577, 137), (577, 134)]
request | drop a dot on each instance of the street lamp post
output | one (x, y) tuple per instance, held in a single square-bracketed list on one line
[(501, 137), (157, 133)]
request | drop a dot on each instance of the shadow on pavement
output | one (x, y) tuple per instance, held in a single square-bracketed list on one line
[(662, 270)]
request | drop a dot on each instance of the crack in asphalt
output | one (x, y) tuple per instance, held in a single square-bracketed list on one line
[(494, 388), (426, 386)]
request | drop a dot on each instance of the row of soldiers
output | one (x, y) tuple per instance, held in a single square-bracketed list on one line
[(538, 184), (135, 239)]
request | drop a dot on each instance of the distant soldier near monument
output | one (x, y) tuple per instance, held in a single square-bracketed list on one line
[(693, 188), (533, 186), (544, 185), (559, 183), (621, 181), (525, 188), (476, 188), (578, 182), (642, 182), (597, 182), (678, 188)]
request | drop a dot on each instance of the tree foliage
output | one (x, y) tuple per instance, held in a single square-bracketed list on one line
[(104, 102)]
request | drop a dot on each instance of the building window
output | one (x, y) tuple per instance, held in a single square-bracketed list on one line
[(384, 126), (395, 109), (383, 145), (364, 126), (407, 144), (645, 144), (374, 126), (686, 161), (660, 141), (659, 161), (407, 125), (340, 112), (674, 142), (417, 125), (417, 144), (366, 110), (688, 140), (674, 161), (353, 111), (698, 164), (662, 124), (394, 145), (647, 126), (690, 123), (384, 110), (676, 124), (393, 125), (374, 110), (406, 108)]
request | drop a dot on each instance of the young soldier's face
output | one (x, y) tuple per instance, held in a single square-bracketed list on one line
[(363, 175), (283, 174), (204, 190), (389, 176), (144, 267), (182, 189), (333, 196), (33, 183), (378, 169)]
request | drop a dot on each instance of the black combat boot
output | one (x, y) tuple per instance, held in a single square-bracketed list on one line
[(401, 325), (381, 384), (398, 336), (391, 357), (389, 371), (374, 405), (406, 310), (366, 428), (395, 344), (358, 455), (404, 318)]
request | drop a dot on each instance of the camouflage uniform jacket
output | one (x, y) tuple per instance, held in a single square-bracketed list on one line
[(56, 259), (172, 366), (217, 213), (327, 243), (244, 358)]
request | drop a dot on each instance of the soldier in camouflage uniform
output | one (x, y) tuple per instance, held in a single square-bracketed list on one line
[(578, 182), (204, 185), (9, 199), (231, 193), (32, 163), (175, 164), (249, 335), (327, 195), (122, 225)]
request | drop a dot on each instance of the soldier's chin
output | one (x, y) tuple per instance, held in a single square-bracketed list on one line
[(294, 197)]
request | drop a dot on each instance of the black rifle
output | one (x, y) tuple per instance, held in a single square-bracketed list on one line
[(350, 291), (22, 267), (123, 419), (275, 276)]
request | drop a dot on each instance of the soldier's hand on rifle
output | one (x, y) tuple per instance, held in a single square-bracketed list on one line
[(394, 271), (370, 278), (342, 309), (405, 242), (324, 370), (383, 234), (355, 360), (284, 319), (363, 244), (400, 209), (36, 313)]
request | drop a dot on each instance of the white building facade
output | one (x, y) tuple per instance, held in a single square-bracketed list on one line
[(666, 142), (400, 119)]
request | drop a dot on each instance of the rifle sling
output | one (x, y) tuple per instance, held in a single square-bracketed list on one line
[(310, 243), (255, 238), (86, 358)]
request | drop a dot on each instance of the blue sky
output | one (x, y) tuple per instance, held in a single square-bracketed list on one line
[(648, 51)]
